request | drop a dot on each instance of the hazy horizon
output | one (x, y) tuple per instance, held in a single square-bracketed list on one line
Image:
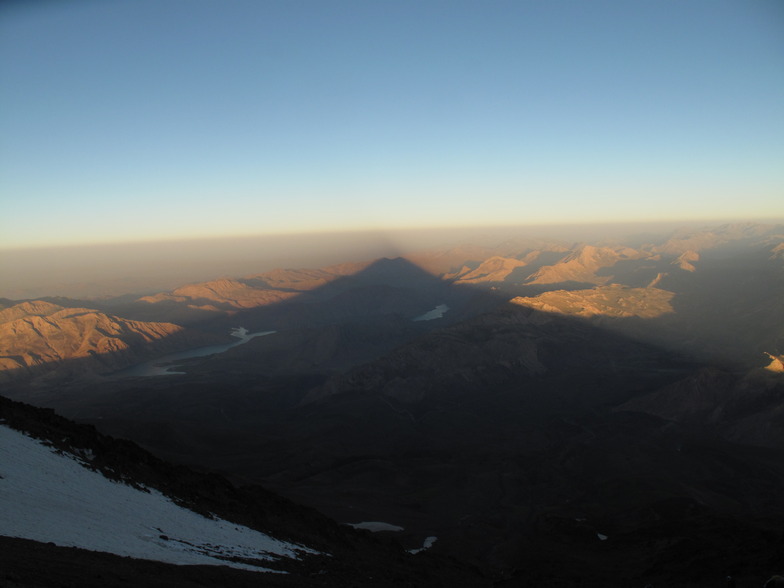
[(570, 370), (110, 270)]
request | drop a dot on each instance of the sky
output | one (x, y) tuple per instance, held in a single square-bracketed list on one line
[(150, 120)]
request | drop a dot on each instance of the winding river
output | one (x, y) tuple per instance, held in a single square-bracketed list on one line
[(164, 366), (167, 364)]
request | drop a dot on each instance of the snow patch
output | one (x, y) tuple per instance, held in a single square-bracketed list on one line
[(426, 545), (55, 499), (436, 313), (239, 332), (375, 526)]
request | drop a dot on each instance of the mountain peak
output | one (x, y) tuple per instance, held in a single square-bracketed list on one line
[(37, 336), (28, 308), (493, 269), (582, 265)]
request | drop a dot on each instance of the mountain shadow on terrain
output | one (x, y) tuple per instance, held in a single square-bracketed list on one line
[(500, 435), (548, 448), (376, 305), (398, 289), (725, 280)]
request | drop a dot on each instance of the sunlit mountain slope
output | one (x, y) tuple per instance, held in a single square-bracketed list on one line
[(39, 336)]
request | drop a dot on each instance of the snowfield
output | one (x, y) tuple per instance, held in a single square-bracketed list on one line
[(50, 497), (436, 313), (376, 526)]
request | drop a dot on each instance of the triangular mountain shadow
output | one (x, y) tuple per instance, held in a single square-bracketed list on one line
[(389, 290), (499, 433), (385, 286), (352, 318), (111, 351), (507, 420), (342, 316), (384, 289)]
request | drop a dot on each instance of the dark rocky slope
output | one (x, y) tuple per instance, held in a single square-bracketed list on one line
[(355, 557)]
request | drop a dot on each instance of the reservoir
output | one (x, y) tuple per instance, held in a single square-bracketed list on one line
[(164, 366)]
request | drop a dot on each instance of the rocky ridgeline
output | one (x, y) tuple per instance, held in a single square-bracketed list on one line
[(355, 557), (39, 338)]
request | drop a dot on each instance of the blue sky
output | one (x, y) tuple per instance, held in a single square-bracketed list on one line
[(169, 119)]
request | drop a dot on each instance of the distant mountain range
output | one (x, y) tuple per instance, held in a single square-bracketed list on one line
[(559, 413), (39, 337), (732, 271)]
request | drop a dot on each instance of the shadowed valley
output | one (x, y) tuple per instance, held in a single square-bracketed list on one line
[(605, 413)]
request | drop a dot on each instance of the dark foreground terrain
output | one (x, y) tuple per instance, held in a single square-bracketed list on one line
[(581, 415), (352, 557)]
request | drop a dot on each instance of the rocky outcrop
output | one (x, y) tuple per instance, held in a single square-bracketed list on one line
[(38, 336), (228, 296), (695, 398), (290, 279), (27, 309), (686, 240), (745, 408), (223, 294), (583, 265), (347, 557), (498, 349), (686, 261), (609, 301), (495, 269), (776, 364)]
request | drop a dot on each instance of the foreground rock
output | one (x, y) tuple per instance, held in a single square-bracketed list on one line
[(325, 553)]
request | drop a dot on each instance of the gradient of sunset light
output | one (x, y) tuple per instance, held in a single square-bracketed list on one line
[(167, 119)]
